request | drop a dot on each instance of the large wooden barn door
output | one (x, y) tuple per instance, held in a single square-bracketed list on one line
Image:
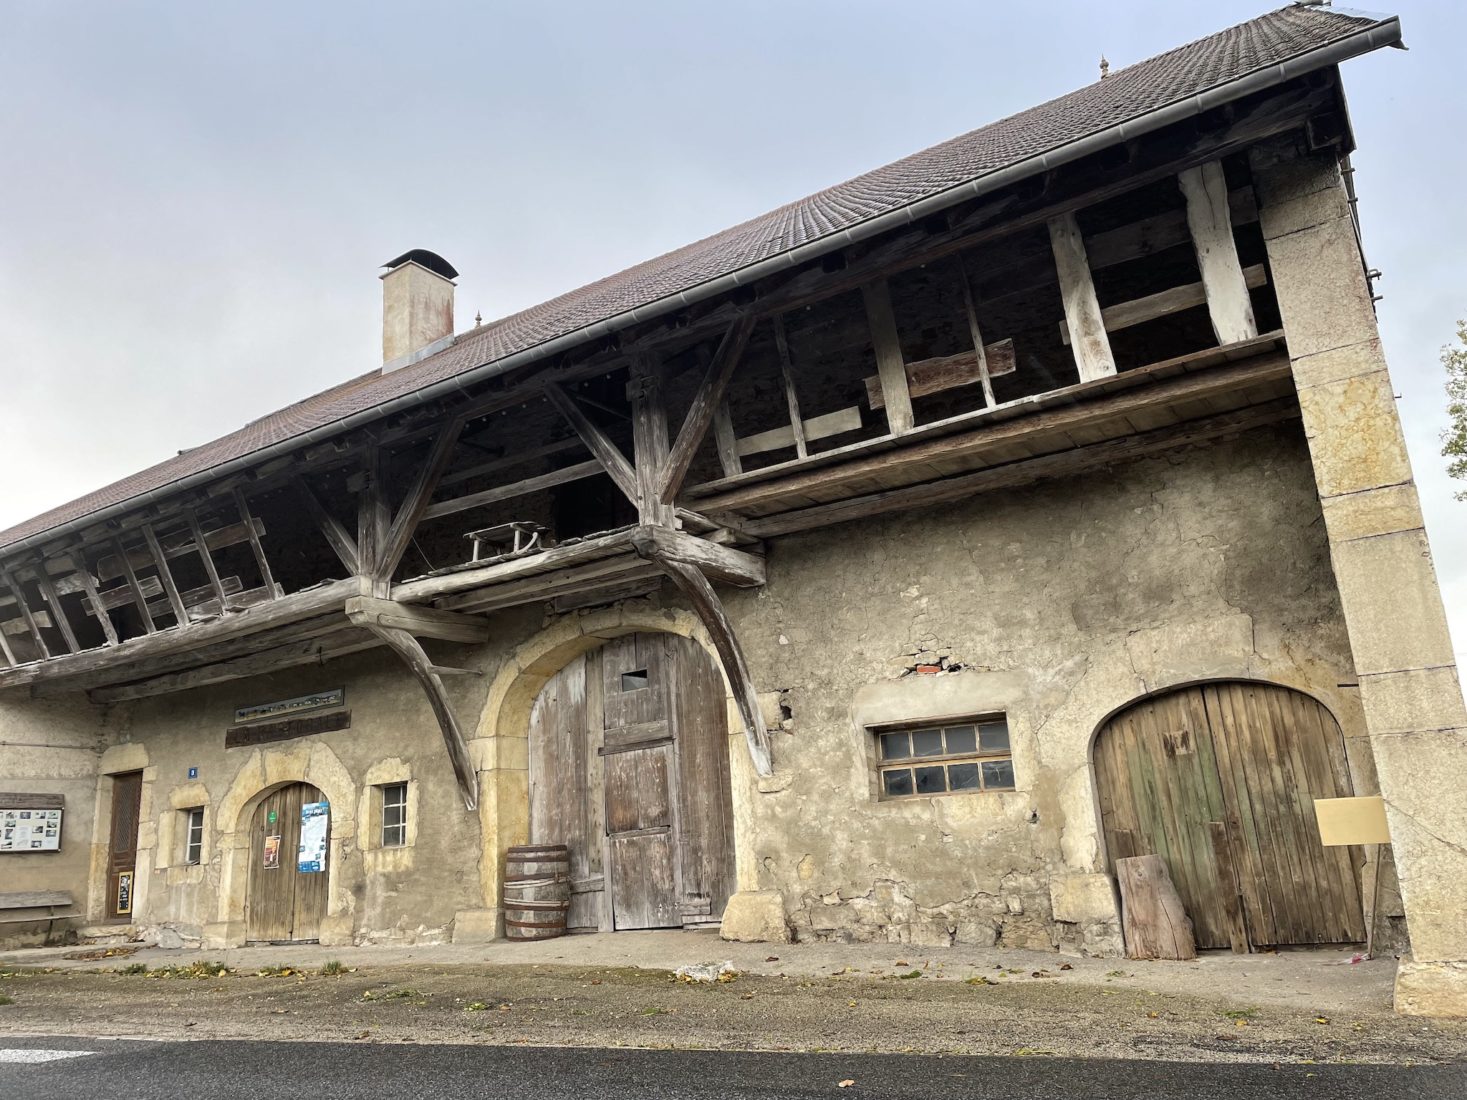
[(1220, 780), (285, 904), (629, 768)]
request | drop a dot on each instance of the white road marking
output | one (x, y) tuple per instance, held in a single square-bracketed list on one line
[(34, 1056)]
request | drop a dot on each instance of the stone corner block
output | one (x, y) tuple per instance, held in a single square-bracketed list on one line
[(1431, 988), (336, 930), (1084, 899), (1393, 607), (478, 925), (223, 934), (1354, 434), (755, 916)]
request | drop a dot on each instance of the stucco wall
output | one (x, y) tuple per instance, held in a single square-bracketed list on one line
[(1062, 602), (50, 747)]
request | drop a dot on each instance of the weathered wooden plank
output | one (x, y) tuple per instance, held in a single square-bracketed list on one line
[(423, 622), (727, 442), (1211, 225), (201, 547), (649, 442), (1152, 918), (1163, 303), (890, 366), (27, 615), (411, 653), (981, 440), (606, 575), (596, 441), (1058, 464), (426, 589), (110, 568), (58, 613), (1093, 356), (946, 372), (817, 427), (975, 333), (309, 652), (581, 470), (706, 401), (374, 518), (130, 576)]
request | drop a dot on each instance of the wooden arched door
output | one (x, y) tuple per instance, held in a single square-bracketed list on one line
[(629, 767), (1220, 780), (287, 891)]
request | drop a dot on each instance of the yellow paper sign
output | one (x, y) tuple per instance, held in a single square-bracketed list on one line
[(1352, 821)]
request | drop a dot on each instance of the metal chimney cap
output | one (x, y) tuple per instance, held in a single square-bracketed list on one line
[(423, 258)]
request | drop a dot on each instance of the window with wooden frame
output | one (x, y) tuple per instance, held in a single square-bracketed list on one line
[(193, 836), (394, 814), (951, 757)]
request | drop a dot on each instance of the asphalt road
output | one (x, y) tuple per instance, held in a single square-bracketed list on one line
[(67, 1069)]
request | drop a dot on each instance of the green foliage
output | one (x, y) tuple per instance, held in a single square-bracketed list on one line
[(1454, 439), (5, 1000), (332, 968)]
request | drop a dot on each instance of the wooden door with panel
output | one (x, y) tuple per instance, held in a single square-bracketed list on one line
[(122, 846), (284, 904)]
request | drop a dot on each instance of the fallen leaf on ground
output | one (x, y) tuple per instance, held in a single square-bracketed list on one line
[(847, 1083)]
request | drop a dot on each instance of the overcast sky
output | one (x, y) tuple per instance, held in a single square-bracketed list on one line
[(195, 197)]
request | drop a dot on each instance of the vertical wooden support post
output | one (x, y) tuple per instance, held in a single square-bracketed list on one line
[(9, 583), (649, 441), (165, 576), (202, 546), (373, 524), (728, 444), (787, 373), (261, 562), (53, 603), (89, 585), (706, 402), (130, 575), (977, 335), (6, 651), (1211, 223), (1082, 309), (891, 367)]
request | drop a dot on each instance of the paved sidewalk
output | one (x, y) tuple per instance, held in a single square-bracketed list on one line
[(1306, 980)]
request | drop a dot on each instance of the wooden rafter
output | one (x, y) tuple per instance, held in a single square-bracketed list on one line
[(336, 535), (242, 505), (787, 376), (130, 575), (1093, 356), (165, 576), (410, 513), (1211, 223), (58, 614), (426, 673), (890, 364), (607, 453), (9, 583), (971, 308), (94, 598), (201, 546), (705, 404)]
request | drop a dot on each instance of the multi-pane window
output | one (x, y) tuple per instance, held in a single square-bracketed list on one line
[(394, 815), (193, 835), (916, 761)]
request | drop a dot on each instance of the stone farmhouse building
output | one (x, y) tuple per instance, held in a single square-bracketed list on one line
[(884, 568)]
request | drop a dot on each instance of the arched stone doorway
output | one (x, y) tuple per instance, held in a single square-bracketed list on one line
[(1219, 779), (629, 767), (285, 901)]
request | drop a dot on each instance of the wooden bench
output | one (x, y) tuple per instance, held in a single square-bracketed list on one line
[(36, 905)]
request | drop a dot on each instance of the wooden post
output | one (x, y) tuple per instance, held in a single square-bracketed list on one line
[(1155, 924), (132, 584), (890, 365), (728, 443), (607, 453), (262, 562), (1082, 309), (649, 443), (53, 603), (373, 523), (787, 373), (410, 513), (15, 590), (700, 414), (977, 334), (1211, 223), (89, 586), (202, 546)]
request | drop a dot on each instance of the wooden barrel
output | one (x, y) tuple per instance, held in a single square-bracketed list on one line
[(536, 891)]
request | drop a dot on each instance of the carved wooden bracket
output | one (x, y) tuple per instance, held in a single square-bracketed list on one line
[(661, 546), (406, 647)]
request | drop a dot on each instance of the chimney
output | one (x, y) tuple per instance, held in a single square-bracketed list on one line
[(417, 307)]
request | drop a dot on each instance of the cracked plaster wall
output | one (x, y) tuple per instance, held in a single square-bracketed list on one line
[(1059, 604)]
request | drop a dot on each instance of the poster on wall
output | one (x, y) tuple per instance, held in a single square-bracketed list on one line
[(314, 819), (272, 852), (30, 830), (124, 893)]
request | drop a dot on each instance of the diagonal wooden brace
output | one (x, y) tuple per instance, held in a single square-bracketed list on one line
[(406, 647)]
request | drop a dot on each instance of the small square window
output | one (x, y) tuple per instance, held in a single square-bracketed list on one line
[(193, 835), (634, 681), (967, 757), (394, 815)]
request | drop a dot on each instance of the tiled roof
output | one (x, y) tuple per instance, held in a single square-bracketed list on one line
[(1128, 94)]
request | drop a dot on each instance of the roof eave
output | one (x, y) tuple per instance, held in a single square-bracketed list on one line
[(1385, 32)]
